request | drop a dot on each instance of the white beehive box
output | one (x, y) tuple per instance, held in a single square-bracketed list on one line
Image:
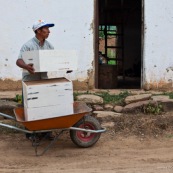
[(51, 60), (47, 98)]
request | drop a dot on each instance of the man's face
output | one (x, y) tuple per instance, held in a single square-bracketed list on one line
[(43, 32)]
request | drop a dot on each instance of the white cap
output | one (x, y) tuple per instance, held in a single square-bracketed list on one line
[(40, 23)]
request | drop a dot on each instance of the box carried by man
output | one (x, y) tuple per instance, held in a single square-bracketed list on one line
[(51, 60)]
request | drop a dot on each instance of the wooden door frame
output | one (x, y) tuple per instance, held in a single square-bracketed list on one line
[(96, 41), (142, 43)]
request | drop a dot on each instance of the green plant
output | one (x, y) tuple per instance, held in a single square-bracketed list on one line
[(107, 98), (113, 98), (153, 108), (18, 98), (169, 136), (101, 34), (112, 62), (170, 94)]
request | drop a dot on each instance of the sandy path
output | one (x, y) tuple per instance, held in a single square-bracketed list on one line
[(111, 154)]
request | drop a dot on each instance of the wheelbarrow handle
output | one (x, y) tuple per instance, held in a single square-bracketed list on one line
[(7, 116), (23, 130), (15, 128)]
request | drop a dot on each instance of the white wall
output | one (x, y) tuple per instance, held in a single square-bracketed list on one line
[(73, 20), (158, 45)]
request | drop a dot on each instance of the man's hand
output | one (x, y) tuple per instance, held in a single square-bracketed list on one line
[(30, 68)]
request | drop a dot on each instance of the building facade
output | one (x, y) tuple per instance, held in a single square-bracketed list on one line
[(143, 33)]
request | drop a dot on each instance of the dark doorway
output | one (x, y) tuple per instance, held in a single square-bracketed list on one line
[(119, 30)]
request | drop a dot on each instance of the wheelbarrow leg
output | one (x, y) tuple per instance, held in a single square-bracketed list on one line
[(48, 146)]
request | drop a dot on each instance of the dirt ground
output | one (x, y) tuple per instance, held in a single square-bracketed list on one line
[(112, 154)]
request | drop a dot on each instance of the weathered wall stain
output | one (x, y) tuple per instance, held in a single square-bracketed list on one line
[(161, 86), (92, 26), (11, 85)]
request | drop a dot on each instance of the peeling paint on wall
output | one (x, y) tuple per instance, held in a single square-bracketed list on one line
[(92, 27)]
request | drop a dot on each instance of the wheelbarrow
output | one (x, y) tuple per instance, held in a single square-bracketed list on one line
[(85, 130)]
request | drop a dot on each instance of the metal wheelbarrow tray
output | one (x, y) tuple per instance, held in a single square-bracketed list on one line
[(80, 109), (85, 130)]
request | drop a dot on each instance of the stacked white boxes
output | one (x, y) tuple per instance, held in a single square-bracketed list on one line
[(47, 98)]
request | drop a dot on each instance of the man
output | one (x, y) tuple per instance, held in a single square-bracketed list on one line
[(39, 42)]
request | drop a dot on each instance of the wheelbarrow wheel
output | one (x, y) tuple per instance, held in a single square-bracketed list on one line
[(86, 139)]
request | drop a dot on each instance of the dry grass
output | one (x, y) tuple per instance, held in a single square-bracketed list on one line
[(144, 125)]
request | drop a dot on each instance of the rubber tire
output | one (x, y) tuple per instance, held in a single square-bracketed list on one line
[(74, 134)]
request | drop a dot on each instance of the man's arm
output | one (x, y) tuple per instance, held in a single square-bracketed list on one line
[(21, 63), (28, 67)]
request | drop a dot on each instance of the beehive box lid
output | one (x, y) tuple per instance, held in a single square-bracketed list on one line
[(46, 81)]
